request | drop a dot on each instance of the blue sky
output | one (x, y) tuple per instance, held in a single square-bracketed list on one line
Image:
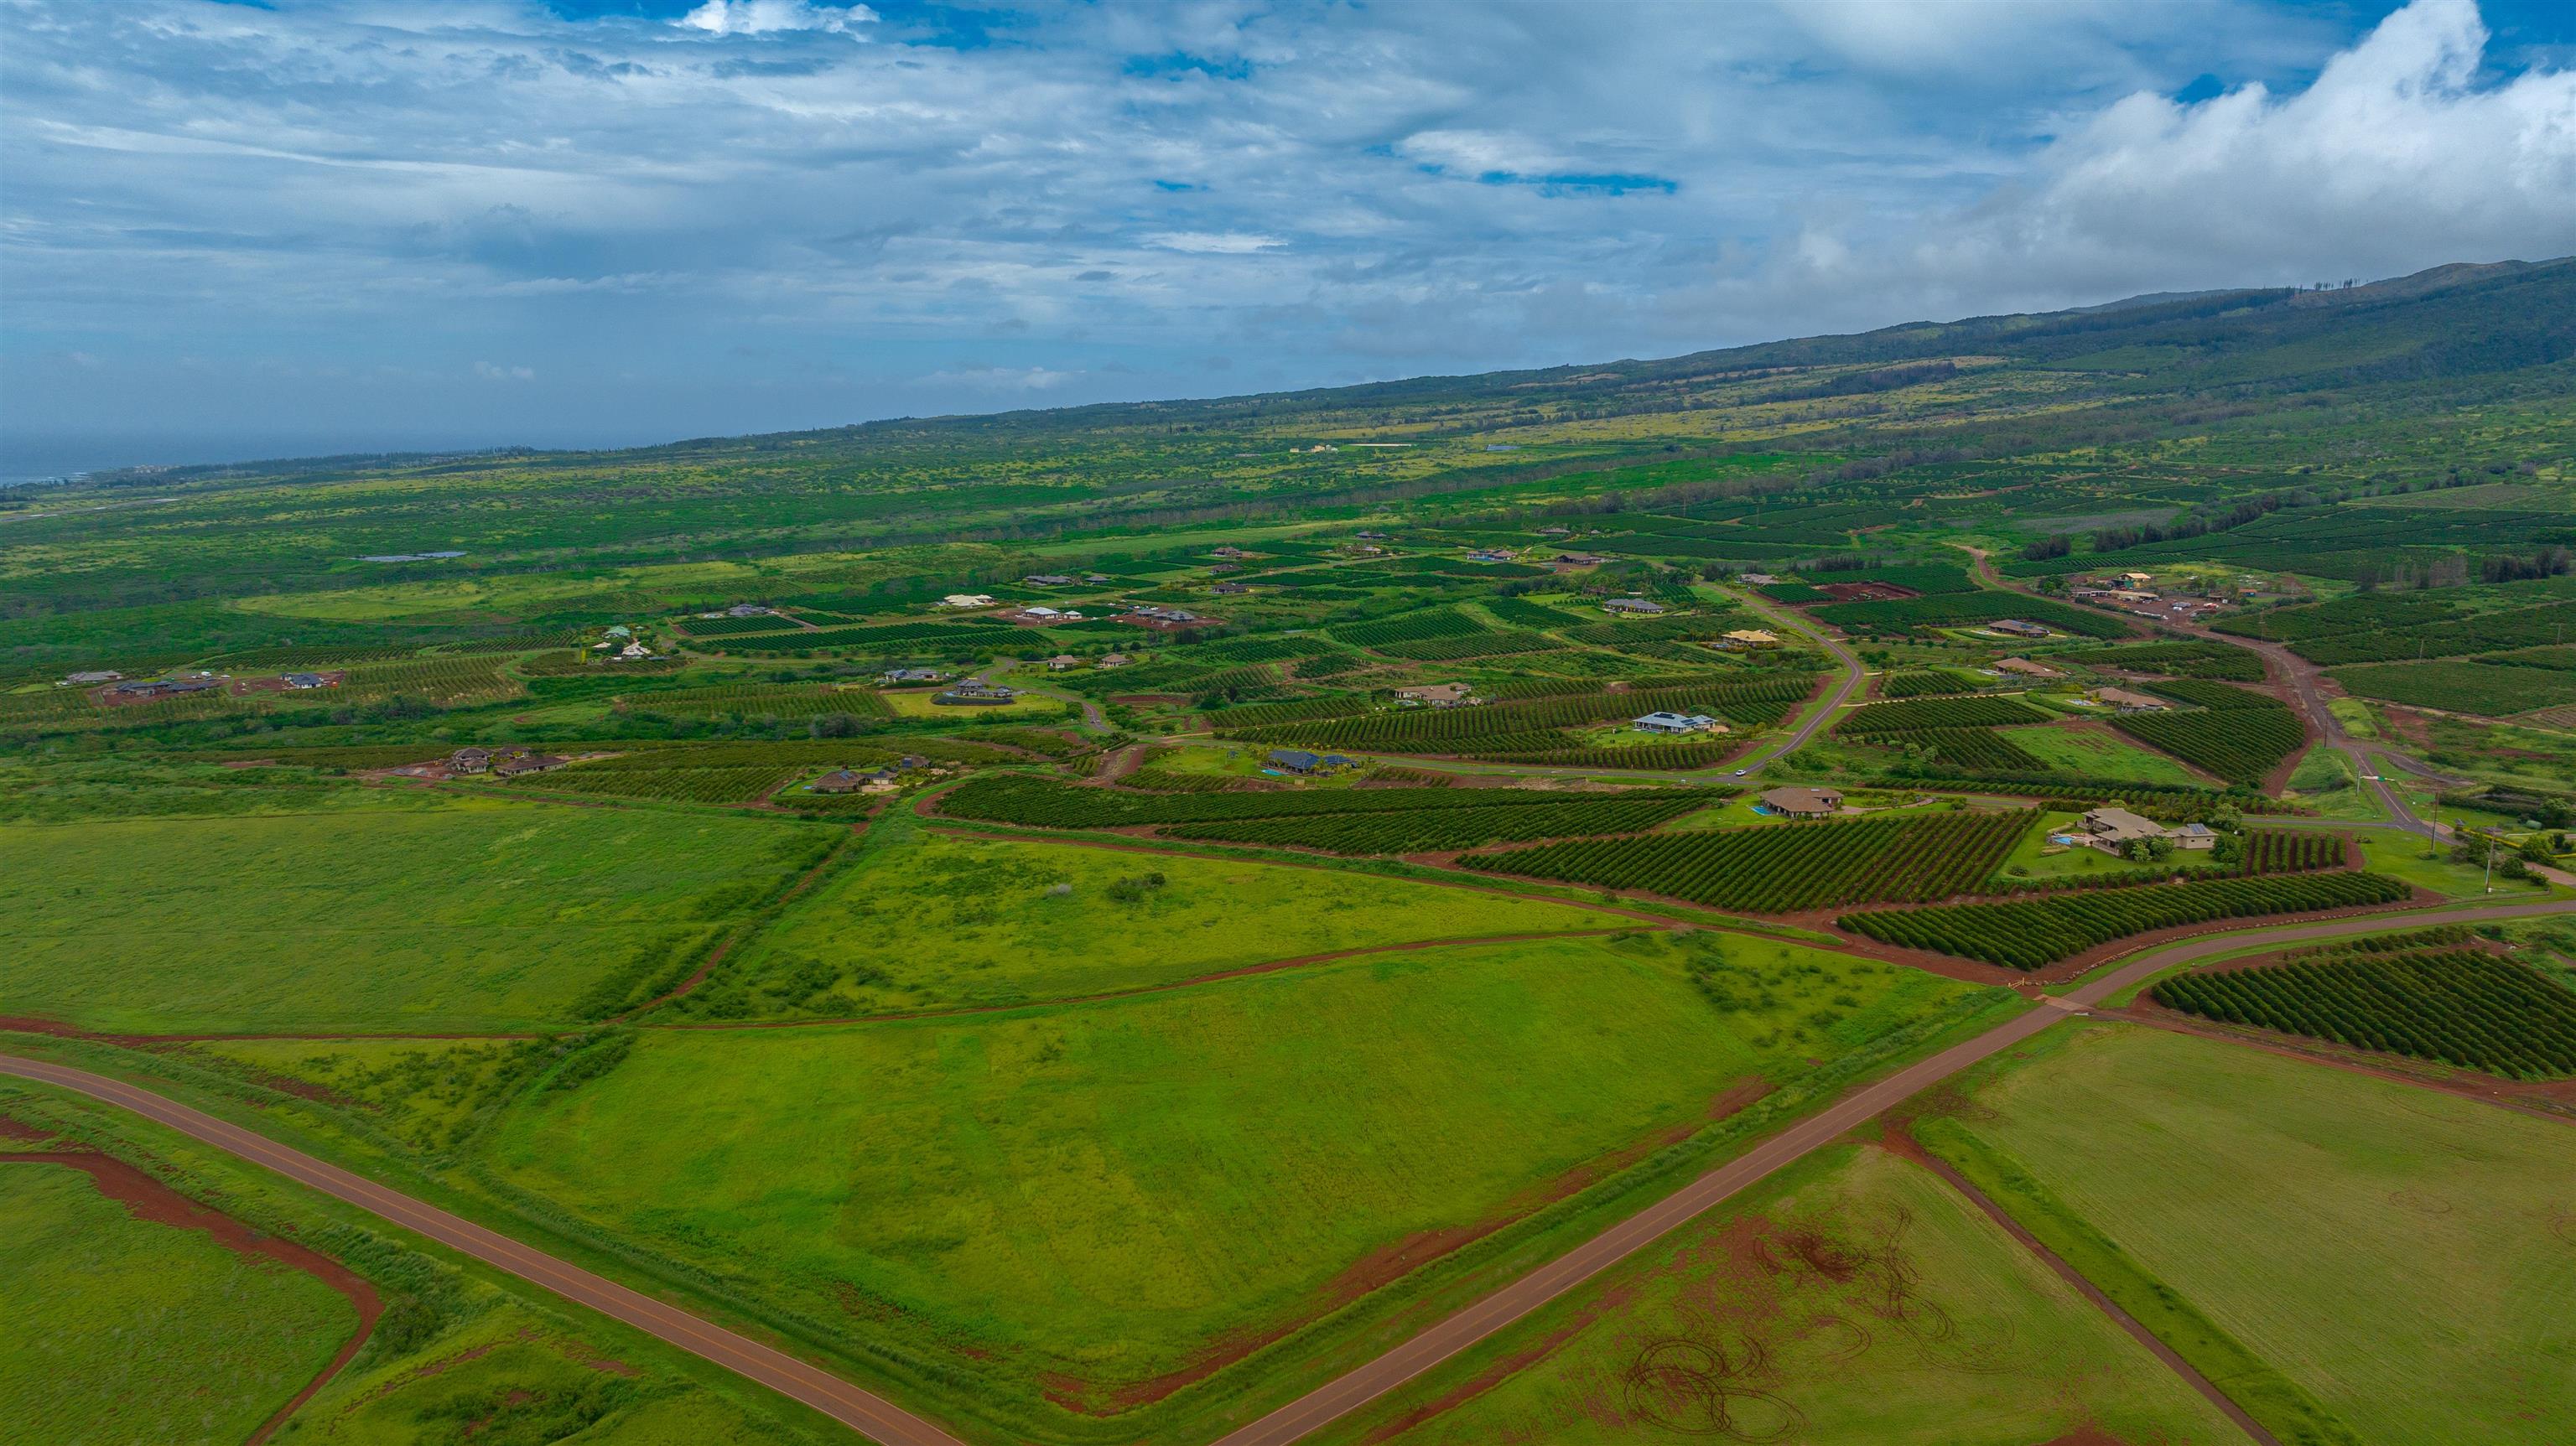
[(301, 226)]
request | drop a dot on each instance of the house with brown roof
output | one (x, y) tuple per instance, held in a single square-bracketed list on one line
[(527, 763), (2026, 668), (1438, 695), (469, 760), (1802, 802), (2130, 701)]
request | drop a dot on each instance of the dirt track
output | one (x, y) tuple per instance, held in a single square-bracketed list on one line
[(871, 1415), (883, 1421)]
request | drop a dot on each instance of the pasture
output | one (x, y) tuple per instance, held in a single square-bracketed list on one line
[(2341, 1250), (2088, 753), (130, 1330), (1103, 1193), (933, 922), (457, 914), (1855, 1300)]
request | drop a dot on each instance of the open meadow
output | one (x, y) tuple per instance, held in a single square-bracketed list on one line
[(2350, 1258), (929, 921), (127, 1328), (1106, 1195), (1855, 1300), (449, 915)]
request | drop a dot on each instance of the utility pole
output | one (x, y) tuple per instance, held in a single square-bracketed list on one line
[(2490, 863)]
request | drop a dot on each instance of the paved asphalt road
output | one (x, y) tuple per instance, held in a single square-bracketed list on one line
[(1843, 689), (868, 1414)]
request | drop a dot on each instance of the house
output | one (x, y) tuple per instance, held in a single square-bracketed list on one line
[(1230, 589), (1229, 551), (1438, 695), (1062, 661), (1042, 614), (1369, 549), (2026, 668), (2194, 836), (1760, 579), (1633, 607), (1489, 554), (469, 760), (839, 780), (1556, 532), (158, 688), (83, 680), (2137, 579), (2017, 628), (634, 649), (967, 600), (1802, 802), (972, 694), (309, 680), (1113, 660), (621, 631), (1752, 638), (1218, 567), (1568, 560), (900, 677), (1364, 532), (523, 764), (1677, 723), (2112, 829), (1095, 577), (1298, 760), (749, 610), (1049, 579), (2128, 701)]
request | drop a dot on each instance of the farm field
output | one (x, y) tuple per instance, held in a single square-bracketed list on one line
[(133, 1330), (2029, 933), (919, 704), (2365, 1254), (1903, 856), (2462, 1007), (462, 914), (1855, 1299), (2087, 753), (1098, 1193), (944, 921), (2491, 689), (2402, 857)]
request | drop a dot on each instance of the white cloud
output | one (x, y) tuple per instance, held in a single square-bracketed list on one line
[(1214, 243), (763, 17), (1482, 153), (490, 373)]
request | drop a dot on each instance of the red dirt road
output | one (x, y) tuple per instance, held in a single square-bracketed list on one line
[(868, 1414), (1441, 1341)]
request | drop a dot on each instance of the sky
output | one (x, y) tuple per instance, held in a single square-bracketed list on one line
[(306, 226)]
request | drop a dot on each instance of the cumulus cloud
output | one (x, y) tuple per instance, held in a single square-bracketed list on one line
[(763, 17), (1324, 192)]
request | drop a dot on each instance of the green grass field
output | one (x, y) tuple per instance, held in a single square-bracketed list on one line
[(2401, 856), (1102, 1191), (1855, 1299), (936, 922), (464, 915), (2088, 754), (128, 1330), (2338, 1251), (919, 704)]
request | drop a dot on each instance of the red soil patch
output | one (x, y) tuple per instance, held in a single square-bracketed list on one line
[(1386, 1265), (1866, 591), (146, 1198)]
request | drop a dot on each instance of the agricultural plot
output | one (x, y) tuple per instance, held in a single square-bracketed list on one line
[(1410, 628), (2286, 851), (398, 915), (1540, 724), (1966, 610), (2463, 1007), (1854, 1301), (1970, 750), (1924, 681), (2490, 689), (1427, 829), (2030, 933), (672, 783), (1783, 869), (758, 699), (129, 1329), (940, 923), (1046, 803), (1924, 713), (2087, 753), (2357, 1259), (2237, 735), (2182, 660), (1069, 1206)]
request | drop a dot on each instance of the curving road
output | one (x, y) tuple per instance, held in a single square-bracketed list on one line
[(1842, 690), (1447, 1338), (870, 1415)]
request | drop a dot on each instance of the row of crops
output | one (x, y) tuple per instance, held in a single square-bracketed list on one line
[(1924, 682), (2184, 660), (2237, 735), (1920, 713), (2292, 851), (2028, 934), (1655, 757), (894, 640), (1978, 750), (2462, 1007), (738, 784), (757, 699), (1533, 725), (1482, 645), (1783, 868), (1425, 829), (1958, 609), (1045, 803), (1411, 628)]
